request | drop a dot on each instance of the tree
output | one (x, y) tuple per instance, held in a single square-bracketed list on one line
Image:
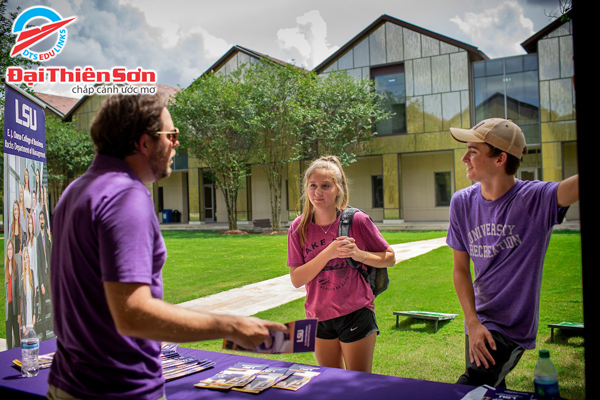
[(340, 116), (214, 115), (275, 92), (69, 152)]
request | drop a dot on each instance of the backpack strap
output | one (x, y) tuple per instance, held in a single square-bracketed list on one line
[(344, 229)]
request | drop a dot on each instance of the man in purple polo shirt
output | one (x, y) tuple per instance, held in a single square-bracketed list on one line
[(503, 225), (106, 265)]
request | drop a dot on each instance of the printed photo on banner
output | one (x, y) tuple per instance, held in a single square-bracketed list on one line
[(27, 234)]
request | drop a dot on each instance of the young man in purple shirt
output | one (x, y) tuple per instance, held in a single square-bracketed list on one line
[(106, 265), (503, 225)]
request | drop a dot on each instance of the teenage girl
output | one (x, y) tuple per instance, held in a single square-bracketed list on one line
[(11, 288), (336, 294)]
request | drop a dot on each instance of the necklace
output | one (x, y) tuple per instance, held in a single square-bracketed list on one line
[(330, 225), (326, 230)]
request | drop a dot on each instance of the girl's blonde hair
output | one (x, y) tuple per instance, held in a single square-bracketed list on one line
[(30, 234), (27, 270), (16, 219), (332, 166)]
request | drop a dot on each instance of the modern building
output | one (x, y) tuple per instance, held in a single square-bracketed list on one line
[(431, 83), (411, 169)]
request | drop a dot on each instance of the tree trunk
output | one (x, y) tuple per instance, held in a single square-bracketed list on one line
[(274, 178), (230, 201)]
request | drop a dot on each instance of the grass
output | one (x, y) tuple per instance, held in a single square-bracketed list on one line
[(202, 263)]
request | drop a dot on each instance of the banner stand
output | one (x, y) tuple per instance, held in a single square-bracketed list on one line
[(27, 235)]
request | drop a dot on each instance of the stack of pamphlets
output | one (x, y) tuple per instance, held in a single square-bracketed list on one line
[(486, 392), (301, 375), (299, 338), (255, 378), (265, 379), (175, 365), (238, 375)]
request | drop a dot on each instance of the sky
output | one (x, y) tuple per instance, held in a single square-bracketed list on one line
[(181, 39)]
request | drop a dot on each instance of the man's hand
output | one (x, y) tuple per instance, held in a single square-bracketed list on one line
[(251, 332), (478, 351)]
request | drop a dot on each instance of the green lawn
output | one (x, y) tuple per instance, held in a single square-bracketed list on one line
[(202, 263)]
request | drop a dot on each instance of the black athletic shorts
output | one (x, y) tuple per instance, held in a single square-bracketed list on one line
[(349, 328), (506, 355)]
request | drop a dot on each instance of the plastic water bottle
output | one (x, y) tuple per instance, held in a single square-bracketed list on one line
[(545, 378), (30, 348)]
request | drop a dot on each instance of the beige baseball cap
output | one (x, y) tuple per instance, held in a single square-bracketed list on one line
[(498, 132)]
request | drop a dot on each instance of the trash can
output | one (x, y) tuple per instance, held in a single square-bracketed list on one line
[(176, 216), (167, 216)]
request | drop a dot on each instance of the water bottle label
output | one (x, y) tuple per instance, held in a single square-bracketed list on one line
[(30, 346), (547, 390)]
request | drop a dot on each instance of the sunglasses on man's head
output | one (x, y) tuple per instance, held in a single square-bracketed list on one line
[(172, 135)]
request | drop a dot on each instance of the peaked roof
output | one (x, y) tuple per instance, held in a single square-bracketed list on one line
[(240, 49), (530, 45), (478, 54), (59, 104)]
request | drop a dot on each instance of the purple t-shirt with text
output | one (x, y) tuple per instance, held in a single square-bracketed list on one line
[(104, 230), (338, 289), (507, 241)]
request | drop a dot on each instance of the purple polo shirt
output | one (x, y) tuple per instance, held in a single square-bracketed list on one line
[(104, 230)]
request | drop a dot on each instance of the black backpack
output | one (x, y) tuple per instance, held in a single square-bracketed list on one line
[(377, 278)]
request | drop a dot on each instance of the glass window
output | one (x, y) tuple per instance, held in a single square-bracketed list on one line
[(478, 69), (530, 62), (377, 188), (495, 67), (390, 85), (509, 88), (522, 100), (514, 65), (443, 190), (489, 97)]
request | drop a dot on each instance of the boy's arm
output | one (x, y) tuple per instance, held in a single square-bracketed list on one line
[(478, 334), (568, 191)]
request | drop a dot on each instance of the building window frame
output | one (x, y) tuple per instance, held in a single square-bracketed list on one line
[(399, 120), (442, 181), (377, 191)]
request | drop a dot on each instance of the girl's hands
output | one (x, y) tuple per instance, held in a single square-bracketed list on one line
[(344, 247)]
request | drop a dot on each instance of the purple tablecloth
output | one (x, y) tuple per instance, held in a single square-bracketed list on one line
[(333, 383)]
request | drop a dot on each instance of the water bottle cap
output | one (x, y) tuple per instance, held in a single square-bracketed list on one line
[(544, 354)]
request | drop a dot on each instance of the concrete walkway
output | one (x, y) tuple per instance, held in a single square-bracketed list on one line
[(251, 299), (261, 296)]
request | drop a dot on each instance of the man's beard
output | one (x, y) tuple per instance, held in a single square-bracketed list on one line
[(160, 167)]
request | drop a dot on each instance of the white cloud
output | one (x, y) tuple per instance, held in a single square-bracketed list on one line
[(214, 47), (307, 42), (498, 31)]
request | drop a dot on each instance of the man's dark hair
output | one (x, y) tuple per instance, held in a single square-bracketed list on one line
[(512, 163), (122, 120)]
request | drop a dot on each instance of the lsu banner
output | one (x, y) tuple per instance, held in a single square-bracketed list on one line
[(27, 236)]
